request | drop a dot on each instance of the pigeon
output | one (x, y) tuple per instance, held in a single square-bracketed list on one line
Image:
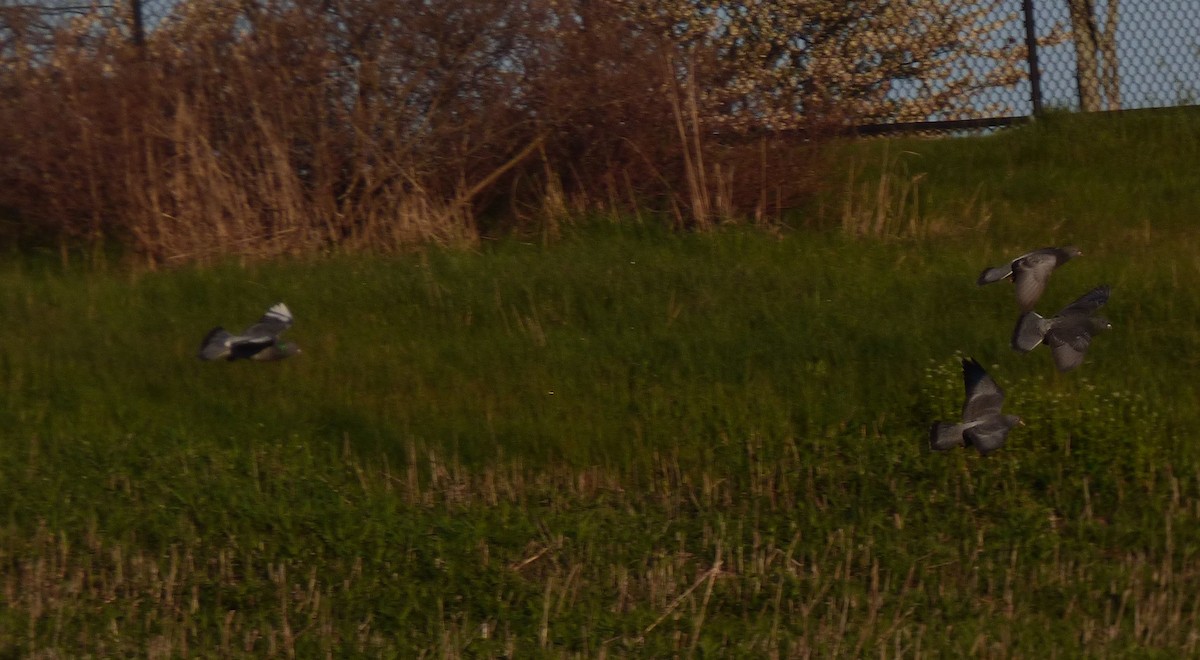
[(258, 342), (1029, 272), (983, 427), (1068, 333)]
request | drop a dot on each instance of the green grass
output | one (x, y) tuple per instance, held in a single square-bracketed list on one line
[(628, 442)]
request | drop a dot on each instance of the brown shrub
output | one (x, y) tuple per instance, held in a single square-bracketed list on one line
[(267, 128)]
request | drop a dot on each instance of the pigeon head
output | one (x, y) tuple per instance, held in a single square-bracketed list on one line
[(288, 348)]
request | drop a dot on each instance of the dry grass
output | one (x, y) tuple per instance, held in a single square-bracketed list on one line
[(842, 591), (886, 200), (264, 129)]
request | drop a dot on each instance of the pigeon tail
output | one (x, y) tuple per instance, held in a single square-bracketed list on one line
[(1030, 331), (996, 274), (215, 344), (945, 435)]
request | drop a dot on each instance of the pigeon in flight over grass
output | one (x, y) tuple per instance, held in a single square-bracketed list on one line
[(1068, 334), (258, 342), (982, 426), (1029, 272)]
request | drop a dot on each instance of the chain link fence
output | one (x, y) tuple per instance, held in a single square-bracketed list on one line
[(1095, 55), (1154, 46)]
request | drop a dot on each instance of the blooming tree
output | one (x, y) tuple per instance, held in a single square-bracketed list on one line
[(769, 63)]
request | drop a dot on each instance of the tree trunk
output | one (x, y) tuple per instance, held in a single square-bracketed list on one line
[(1110, 79), (1096, 74)]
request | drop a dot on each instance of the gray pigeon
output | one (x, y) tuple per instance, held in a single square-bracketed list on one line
[(1068, 334), (258, 342), (1029, 272), (983, 427)]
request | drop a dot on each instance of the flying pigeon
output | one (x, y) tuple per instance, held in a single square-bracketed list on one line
[(258, 342), (983, 427), (1068, 334), (1029, 272)]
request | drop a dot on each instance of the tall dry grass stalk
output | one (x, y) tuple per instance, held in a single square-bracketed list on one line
[(886, 201), (734, 177), (708, 199), (269, 128)]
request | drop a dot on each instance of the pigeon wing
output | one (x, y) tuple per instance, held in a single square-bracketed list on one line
[(1068, 349), (989, 435), (1030, 274), (1087, 303), (277, 319), (1071, 330), (984, 396), (998, 273)]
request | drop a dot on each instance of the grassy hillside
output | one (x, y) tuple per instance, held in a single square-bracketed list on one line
[(630, 442)]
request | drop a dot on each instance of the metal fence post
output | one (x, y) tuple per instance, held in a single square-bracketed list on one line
[(1031, 54), (139, 27)]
